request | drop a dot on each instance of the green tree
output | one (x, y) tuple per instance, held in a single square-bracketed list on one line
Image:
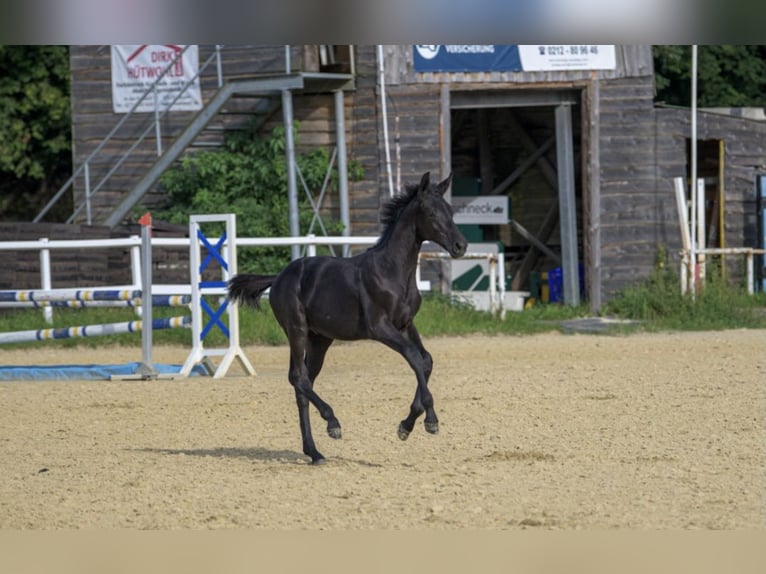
[(727, 75), (248, 177), (35, 127)]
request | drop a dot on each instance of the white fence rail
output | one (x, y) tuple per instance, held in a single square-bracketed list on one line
[(133, 243)]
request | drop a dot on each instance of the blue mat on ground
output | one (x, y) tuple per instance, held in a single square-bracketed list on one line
[(80, 372)]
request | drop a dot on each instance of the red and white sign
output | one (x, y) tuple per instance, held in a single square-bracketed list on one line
[(135, 68)]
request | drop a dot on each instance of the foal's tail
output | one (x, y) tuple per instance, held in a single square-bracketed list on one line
[(247, 289)]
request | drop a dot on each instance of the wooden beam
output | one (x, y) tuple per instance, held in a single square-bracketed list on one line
[(521, 230), (485, 152), (445, 136), (552, 217), (525, 165), (545, 166), (530, 259)]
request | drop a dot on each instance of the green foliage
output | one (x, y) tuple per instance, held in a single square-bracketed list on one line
[(248, 178), (727, 75), (35, 130), (660, 305)]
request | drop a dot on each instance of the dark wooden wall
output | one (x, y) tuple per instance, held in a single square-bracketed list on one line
[(636, 214), (744, 157), (640, 148)]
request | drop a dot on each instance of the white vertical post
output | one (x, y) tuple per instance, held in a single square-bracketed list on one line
[(199, 353), (750, 273), (146, 369), (384, 117), (135, 270), (683, 221), (693, 180), (196, 354), (45, 279), (493, 284), (501, 283)]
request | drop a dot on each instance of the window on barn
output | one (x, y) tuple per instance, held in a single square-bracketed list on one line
[(336, 58)]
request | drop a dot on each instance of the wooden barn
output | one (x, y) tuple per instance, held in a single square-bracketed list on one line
[(571, 135)]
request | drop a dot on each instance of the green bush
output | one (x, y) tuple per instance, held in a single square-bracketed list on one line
[(659, 303), (248, 177)]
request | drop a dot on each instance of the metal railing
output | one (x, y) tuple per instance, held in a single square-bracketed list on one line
[(155, 126)]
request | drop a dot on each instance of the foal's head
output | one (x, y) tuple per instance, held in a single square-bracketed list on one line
[(434, 216)]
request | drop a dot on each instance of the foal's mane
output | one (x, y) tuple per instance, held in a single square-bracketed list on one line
[(391, 210)]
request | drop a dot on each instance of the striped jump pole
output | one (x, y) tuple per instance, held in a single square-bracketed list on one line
[(41, 295), (48, 299), (93, 330), (122, 297)]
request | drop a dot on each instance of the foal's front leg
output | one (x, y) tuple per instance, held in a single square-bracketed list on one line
[(419, 405), (409, 345)]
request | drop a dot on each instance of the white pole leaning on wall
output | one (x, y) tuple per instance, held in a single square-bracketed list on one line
[(683, 222), (693, 178)]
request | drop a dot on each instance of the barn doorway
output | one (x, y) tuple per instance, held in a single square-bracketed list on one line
[(710, 167), (508, 143)]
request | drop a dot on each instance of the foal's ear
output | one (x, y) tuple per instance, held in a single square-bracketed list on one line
[(444, 185), (424, 181)]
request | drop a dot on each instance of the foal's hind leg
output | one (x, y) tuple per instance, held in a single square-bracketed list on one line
[(315, 353), (304, 352)]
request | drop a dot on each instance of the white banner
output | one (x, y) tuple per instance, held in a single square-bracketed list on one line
[(481, 209), (544, 58), (135, 67)]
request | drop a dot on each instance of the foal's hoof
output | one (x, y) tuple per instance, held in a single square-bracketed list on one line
[(402, 432), (318, 461), (432, 428), (334, 432)]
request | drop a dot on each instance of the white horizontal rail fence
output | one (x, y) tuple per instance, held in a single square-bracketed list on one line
[(45, 246)]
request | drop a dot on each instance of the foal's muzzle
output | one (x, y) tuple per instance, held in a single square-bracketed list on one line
[(458, 247)]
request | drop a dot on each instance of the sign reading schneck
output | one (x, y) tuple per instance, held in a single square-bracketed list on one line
[(480, 209), (512, 57)]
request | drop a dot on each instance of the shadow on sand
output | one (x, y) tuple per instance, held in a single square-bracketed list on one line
[(255, 453)]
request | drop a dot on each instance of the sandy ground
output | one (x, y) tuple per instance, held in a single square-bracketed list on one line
[(549, 431)]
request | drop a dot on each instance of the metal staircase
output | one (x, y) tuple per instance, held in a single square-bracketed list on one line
[(265, 86), (267, 89)]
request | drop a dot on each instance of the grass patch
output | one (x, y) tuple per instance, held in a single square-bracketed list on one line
[(441, 315), (657, 303)]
